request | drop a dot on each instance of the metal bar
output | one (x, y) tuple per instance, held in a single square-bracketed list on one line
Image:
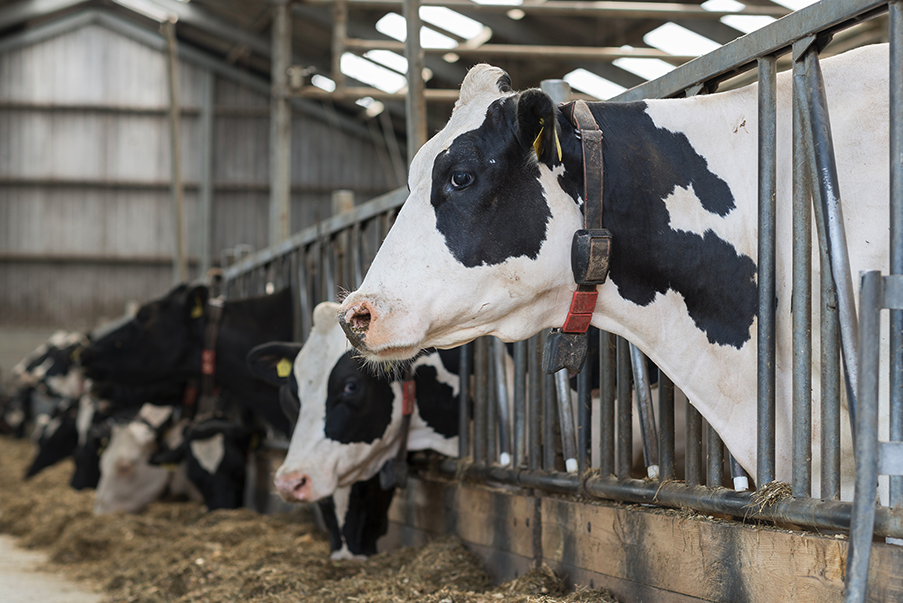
[(714, 469), (830, 197), (415, 106), (549, 422), (205, 190), (624, 417), (643, 393), (666, 426), (520, 403), (466, 356), (828, 515), (767, 108), (492, 414), (895, 35), (741, 54), (693, 460), (528, 50), (479, 401), (280, 125), (606, 404), (739, 477), (565, 8), (500, 355), (535, 386), (865, 439), (566, 420), (802, 288), (584, 415), (177, 192), (339, 35)]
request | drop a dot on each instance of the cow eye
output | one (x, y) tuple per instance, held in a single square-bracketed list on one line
[(460, 180), (351, 388)]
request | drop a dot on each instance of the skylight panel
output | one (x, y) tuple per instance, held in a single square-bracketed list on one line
[(645, 68), (592, 84), (744, 23), (390, 59), (323, 82), (675, 39), (394, 26), (370, 73), (452, 21)]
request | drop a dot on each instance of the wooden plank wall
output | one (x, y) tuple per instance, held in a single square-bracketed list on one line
[(640, 554), (85, 211)]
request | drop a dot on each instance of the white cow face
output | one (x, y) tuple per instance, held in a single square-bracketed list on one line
[(481, 246), (350, 419)]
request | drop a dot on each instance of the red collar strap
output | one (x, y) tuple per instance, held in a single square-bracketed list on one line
[(409, 395), (208, 398), (590, 251)]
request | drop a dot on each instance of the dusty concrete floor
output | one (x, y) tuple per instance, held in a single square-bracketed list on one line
[(22, 581)]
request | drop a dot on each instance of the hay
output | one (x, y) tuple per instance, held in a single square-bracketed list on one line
[(771, 494), (177, 552)]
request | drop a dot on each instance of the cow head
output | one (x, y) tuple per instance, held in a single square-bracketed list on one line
[(53, 368), (56, 437), (482, 244), (152, 344), (350, 419)]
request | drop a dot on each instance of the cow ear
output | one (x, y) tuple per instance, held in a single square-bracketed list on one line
[(273, 362), (196, 301), (537, 125)]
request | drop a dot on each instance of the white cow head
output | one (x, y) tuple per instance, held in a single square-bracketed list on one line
[(482, 244), (350, 419)]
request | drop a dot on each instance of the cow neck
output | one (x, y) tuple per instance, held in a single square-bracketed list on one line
[(208, 402), (590, 251)]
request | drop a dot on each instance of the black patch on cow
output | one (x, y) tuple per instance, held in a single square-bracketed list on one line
[(436, 402), (367, 517), (483, 186), (643, 165), (504, 83), (358, 404)]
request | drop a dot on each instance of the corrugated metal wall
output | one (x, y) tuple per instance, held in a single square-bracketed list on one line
[(85, 211)]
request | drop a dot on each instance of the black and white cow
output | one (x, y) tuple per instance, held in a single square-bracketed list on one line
[(55, 436), (128, 481), (482, 245), (164, 340), (348, 423), (53, 367)]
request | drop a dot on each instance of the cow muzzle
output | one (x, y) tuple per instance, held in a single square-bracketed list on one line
[(293, 487), (355, 322)]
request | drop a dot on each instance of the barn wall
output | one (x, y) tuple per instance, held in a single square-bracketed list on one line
[(85, 210)]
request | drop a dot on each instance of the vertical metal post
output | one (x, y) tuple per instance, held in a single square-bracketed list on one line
[(665, 426), (584, 415), (520, 402), (500, 356), (492, 415), (339, 35), (714, 458), (466, 352), (606, 405), (280, 124), (205, 192), (644, 408), (767, 108), (895, 35), (625, 417), (802, 287), (566, 420), (177, 192), (549, 422), (480, 402), (693, 460), (416, 101), (534, 425)]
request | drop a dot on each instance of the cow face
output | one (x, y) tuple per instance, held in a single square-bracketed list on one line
[(53, 368), (147, 347), (350, 419), (484, 236), (56, 437)]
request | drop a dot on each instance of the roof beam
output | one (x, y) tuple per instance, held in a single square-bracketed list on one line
[(31, 9)]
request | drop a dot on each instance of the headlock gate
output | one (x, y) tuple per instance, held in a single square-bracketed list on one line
[(544, 450)]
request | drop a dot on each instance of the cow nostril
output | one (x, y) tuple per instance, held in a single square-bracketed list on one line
[(360, 319)]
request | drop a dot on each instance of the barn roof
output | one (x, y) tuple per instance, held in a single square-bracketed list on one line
[(518, 35)]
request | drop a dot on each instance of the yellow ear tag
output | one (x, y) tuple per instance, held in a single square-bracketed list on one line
[(537, 144), (284, 368), (198, 309)]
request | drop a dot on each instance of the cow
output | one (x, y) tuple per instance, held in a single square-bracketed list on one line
[(53, 367), (163, 343), (55, 436), (482, 245), (128, 482)]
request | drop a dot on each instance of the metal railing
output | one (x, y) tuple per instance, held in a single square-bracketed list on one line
[(321, 261)]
